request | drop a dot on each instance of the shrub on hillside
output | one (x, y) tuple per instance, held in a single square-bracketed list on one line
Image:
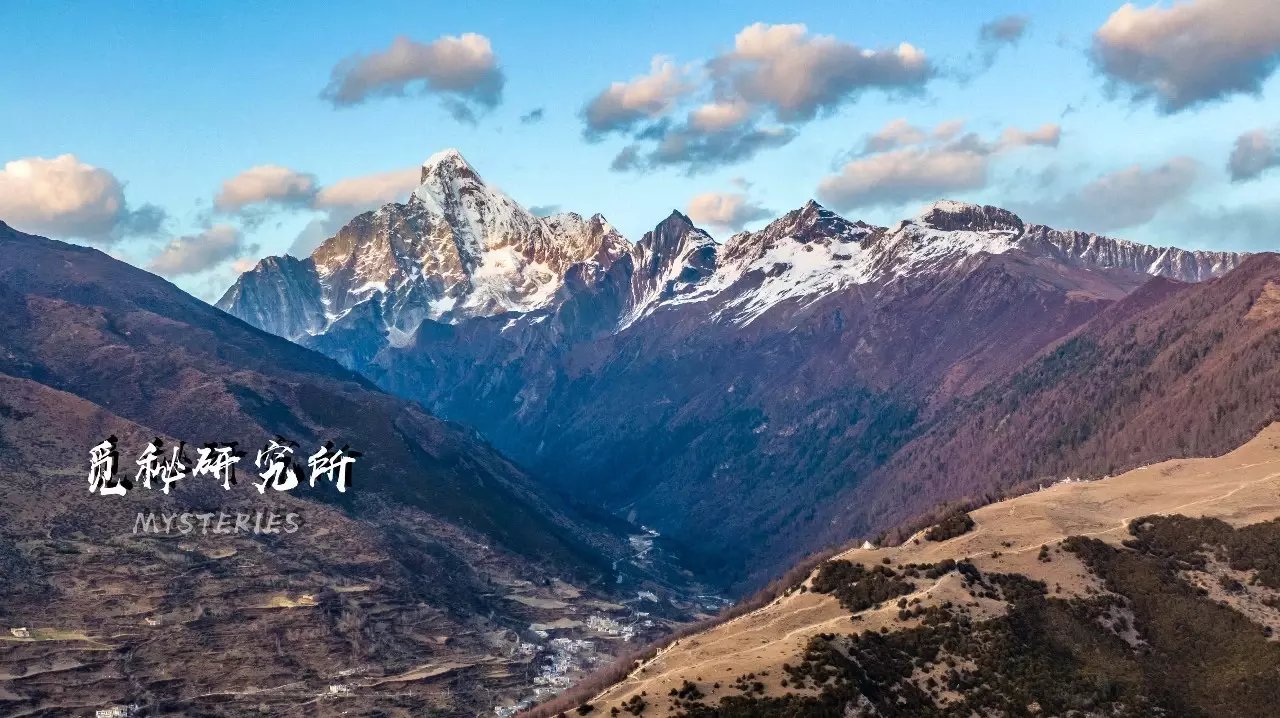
[(957, 523)]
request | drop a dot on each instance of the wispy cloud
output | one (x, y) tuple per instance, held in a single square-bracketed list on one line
[(1255, 152), (998, 34), (266, 184), (749, 98), (1126, 197), (728, 210), (623, 105), (798, 75), (463, 71), (195, 253), (902, 162)]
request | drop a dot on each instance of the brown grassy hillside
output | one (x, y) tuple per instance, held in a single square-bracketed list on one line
[(1153, 616)]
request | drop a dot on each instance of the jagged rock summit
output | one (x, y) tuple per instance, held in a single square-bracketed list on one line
[(457, 248)]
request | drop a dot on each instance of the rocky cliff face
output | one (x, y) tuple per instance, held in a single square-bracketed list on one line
[(668, 263), (1095, 251), (458, 248), (281, 295)]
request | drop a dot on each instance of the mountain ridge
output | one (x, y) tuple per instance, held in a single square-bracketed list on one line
[(768, 374), (1170, 369), (459, 249), (441, 550)]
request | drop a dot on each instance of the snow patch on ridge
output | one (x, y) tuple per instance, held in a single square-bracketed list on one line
[(794, 270), (758, 271)]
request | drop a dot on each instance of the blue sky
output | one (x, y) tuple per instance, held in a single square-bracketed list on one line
[(174, 99)]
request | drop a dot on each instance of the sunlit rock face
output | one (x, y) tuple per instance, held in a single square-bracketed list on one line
[(458, 248)]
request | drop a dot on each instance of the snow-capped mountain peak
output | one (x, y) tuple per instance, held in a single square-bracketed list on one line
[(481, 217), (942, 234), (449, 159), (460, 248), (809, 223), (457, 248), (669, 262), (812, 252)]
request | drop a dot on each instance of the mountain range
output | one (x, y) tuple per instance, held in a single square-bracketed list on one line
[(571, 441), (442, 578), (752, 400)]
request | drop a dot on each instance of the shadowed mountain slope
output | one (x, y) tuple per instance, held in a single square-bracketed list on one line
[(1172, 370), (413, 591)]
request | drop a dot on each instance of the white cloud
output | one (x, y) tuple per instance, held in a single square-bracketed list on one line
[(998, 34), (948, 130), (369, 190), (1004, 30), (719, 116), (1190, 52), (698, 151), (316, 232), (463, 70), (623, 104), (1047, 135), (902, 162), (266, 184), (744, 100), (346, 198), (253, 195), (544, 210), (798, 75), (901, 175), (896, 133), (64, 197), (195, 253), (725, 209)]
